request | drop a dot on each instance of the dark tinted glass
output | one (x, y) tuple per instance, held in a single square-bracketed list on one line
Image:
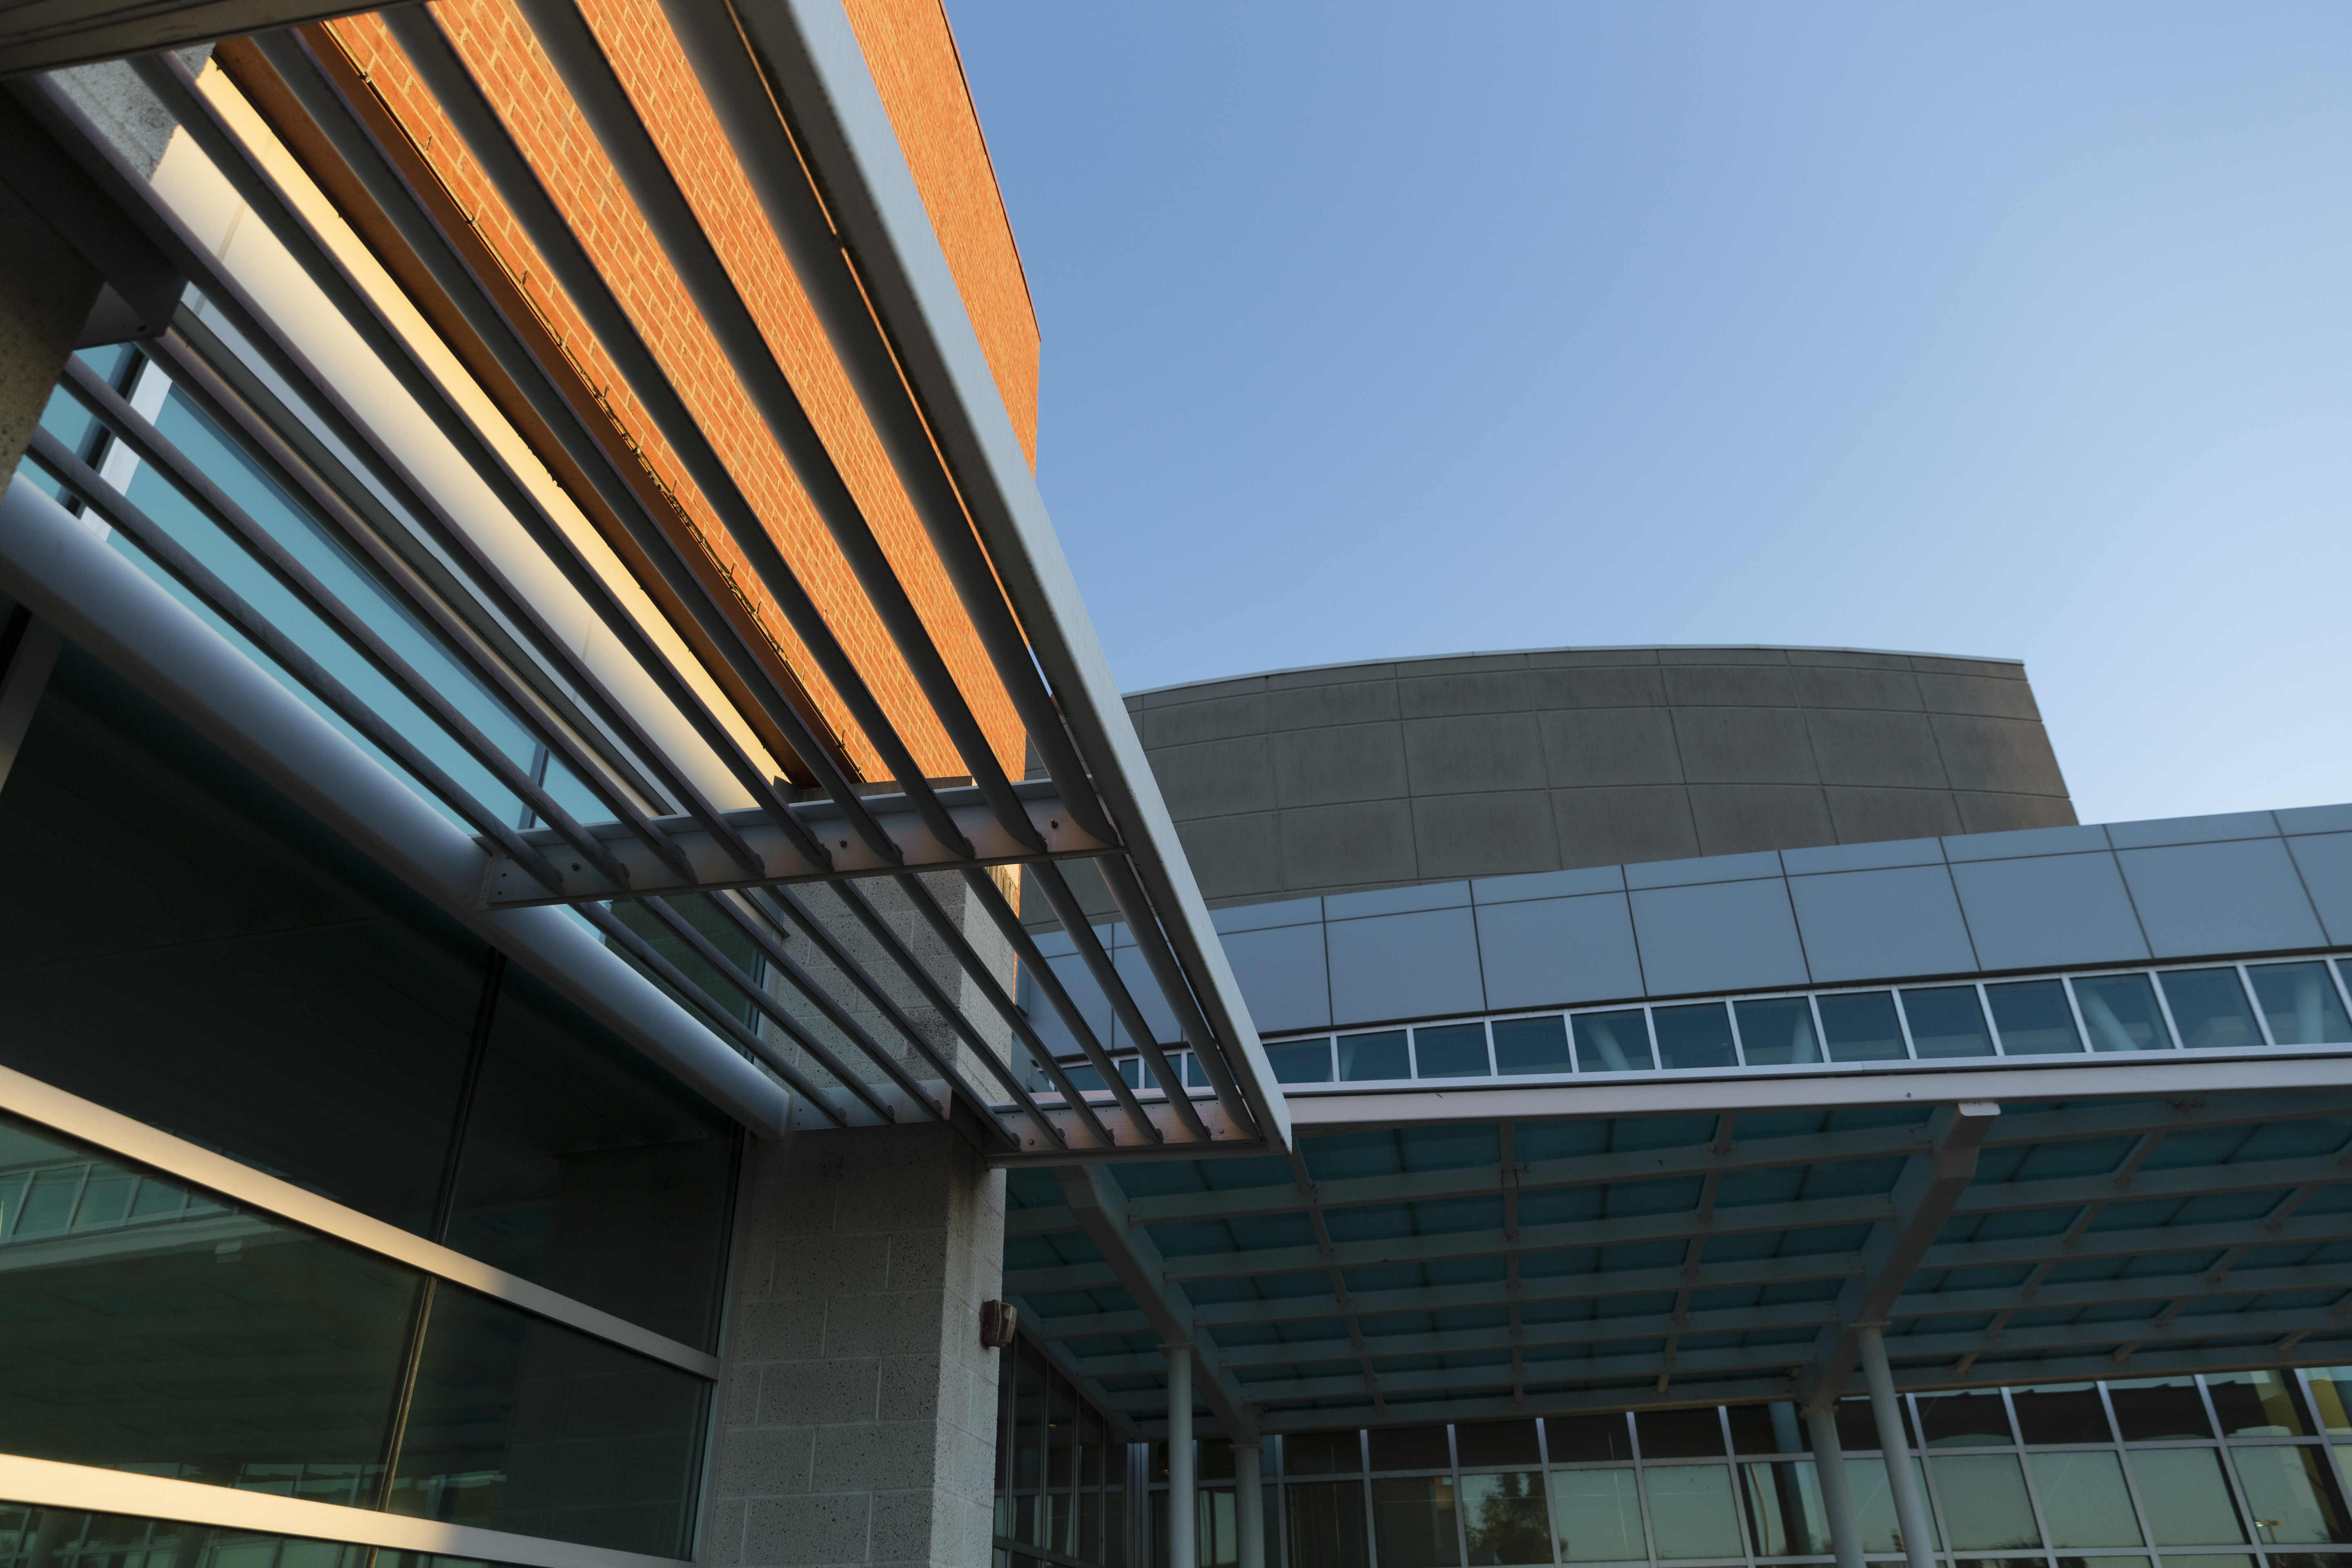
[(2061, 1412), (589, 1170), (521, 1424), (2152, 1409), (1971, 1420), (1785, 1516), (1581, 1439), (1483, 1443), (722, 935), (1692, 1036), (148, 1325), (1778, 1032), (1326, 1524), (1457, 1050), (1613, 1042), (61, 1538), (2258, 1405), (2120, 1012), (265, 995), (1410, 1449), (2209, 1006), (1861, 1027), (1530, 1045), (1368, 1057), (1681, 1433), (1322, 1454), (1767, 1429), (2300, 1003), (1412, 1523), (2033, 1018), (1946, 1022), (1301, 1061)]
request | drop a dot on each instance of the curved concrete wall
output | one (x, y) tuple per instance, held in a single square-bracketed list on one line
[(1354, 777)]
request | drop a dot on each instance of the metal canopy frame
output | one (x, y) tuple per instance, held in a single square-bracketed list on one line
[(665, 840)]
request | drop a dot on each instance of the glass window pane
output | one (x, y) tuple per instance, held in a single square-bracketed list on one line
[(1530, 1045), (1946, 1022), (2084, 1499), (1681, 1433), (1860, 1027), (61, 1538), (2061, 1412), (1698, 1036), (2257, 1405), (2331, 1392), (1216, 1533), (1874, 1504), (2033, 1018), (520, 1424), (1368, 1057), (1504, 1521), (1327, 1522), (1582, 1439), (1412, 1523), (1785, 1510), (2300, 1004), (1410, 1449), (2287, 1490), (1061, 1438), (1597, 1516), (1213, 1456), (2119, 1011), (1322, 1454), (1457, 1050), (2187, 1501), (1766, 1429), (591, 1171), (1776, 1032), (1613, 1042), (1496, 1443), (140, 1345), (2158, 1410), (2209, 1006), (1691, 1510), (1301, 1061), (1985, 1505), (1971, 1420)]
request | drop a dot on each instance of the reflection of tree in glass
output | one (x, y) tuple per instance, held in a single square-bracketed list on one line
[(1506, 1521)]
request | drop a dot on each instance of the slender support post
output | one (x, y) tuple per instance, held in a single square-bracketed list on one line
[(1249, 1506), (1183, 1507), (1837, 1496), (1902, 1480)]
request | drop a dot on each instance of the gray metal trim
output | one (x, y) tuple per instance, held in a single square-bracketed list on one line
[(105, 605)]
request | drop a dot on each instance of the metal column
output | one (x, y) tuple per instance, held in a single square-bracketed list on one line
[(1902, 1480), (1183, 1507), (1249, 1506), (1837, 1496)]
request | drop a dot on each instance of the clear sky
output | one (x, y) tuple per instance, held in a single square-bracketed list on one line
[(1376, 331)]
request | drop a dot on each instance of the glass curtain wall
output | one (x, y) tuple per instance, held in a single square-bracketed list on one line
[(1062, 1471), (53, 1538)]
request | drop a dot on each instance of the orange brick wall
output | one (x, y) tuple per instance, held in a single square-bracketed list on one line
[(498, 48)]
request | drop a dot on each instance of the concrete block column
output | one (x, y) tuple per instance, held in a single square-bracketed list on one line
[(859, 1427)]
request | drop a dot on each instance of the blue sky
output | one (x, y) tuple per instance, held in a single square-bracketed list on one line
[(1373, 330)]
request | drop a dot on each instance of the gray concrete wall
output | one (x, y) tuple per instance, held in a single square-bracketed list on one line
[(1355, 777)]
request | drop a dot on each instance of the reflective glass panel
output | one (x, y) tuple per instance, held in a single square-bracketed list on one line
[(62, 1538), (1456, 1050), (1216, 1533), (1213, 1457), (1370, 1057), (1582, 1439), (1497, 1443), (1326, 1524), (1946, 1022), (2061, 1412), (1777, 1031), (1874, 1504), (2120, 1012), (2159, 1409), (1975, 1419), (2331, 1393), (1985, 1505), (1613, 1042), (148, 1325), (1530, 1045), (2287, 1489), (1410, 1449), (2187, 1501), (2084, 1499), (1766, 1429), (1301, 1061), (1694, 1433), (2257, 1405), (2033, 1018), (1322, 1454), (1785, 1512), (2210, 1007), (1504, 1521), (1698, 1036), (1860, 1027), (520, 1424), (1412, 1523), (1597, 1516), (2300, 1004), (1691, 1510)]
